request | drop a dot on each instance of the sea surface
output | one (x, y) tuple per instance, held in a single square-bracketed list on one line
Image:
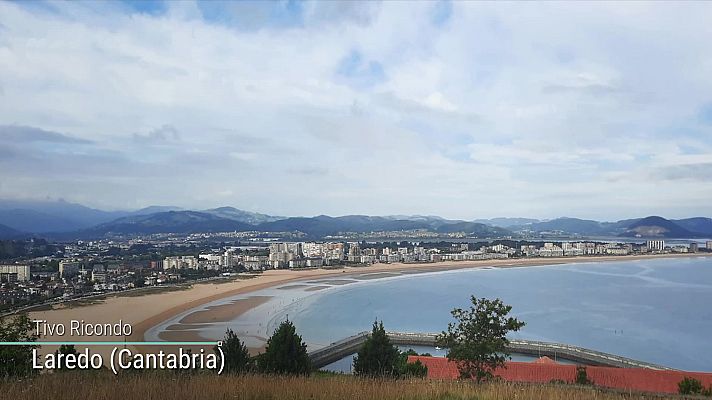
[(654, 310)]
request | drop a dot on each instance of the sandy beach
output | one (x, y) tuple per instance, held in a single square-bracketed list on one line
[(146, 311)]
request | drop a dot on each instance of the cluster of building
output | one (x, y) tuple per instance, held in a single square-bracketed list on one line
[(613, 249), (577, 249), (275, 256), (21, 285), (408, 233), (88, 273), (314, 255)]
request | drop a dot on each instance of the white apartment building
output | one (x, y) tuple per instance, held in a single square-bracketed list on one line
[(655, 245), (180, 262), (256, 263), (12, 272)]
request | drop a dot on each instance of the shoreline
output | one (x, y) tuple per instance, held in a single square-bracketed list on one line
[(149, 310)]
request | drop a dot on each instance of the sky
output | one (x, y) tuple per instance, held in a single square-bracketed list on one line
[(465, 110)]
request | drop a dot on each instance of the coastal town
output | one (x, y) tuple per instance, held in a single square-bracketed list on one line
[(83, 269)]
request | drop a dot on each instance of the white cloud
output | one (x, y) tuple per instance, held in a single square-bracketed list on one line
[(503, 109)]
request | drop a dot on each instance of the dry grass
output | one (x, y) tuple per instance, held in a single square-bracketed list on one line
[(147, 386)]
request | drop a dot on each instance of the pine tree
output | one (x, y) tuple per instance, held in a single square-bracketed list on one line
[(237, 357), (377, 356), (285, 353)]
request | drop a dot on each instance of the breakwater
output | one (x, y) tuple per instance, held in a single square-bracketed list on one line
[(350, 345)]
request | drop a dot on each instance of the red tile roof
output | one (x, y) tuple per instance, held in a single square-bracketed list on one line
[(639, 379)]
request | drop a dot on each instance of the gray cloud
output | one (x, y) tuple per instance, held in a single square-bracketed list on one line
[(6, 154), (26, 134), (338, 12), (165, 134), (592, 89), (701, 172)]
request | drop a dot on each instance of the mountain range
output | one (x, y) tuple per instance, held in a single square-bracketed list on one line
[(648, 227), (319, 226), (42, 216), (8, 233), (62, 219)]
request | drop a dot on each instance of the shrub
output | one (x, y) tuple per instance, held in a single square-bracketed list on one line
[(413, 370), (17, 360), (582, 376), (689, 386)]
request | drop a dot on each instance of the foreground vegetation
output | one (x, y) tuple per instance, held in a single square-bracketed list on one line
[(476, 341), (105, 386)]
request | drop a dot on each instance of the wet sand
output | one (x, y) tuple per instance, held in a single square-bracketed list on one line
[(224, 312), (188, 327)]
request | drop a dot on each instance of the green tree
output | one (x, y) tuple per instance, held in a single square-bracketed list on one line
[(237, 357), (285, 353), (477, 341), (377, 356), (17, 360)]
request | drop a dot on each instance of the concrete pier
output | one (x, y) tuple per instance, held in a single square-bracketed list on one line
[(557, 351)]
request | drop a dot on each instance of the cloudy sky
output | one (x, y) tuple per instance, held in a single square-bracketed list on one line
[(465, 110)]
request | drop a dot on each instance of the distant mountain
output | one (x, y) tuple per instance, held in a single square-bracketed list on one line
[(153, 210), (36, 221), (247, 217), (324, 225), (505, 222), (636, 227), (574, 226), (8, 233), (423, 218), (40, 216), (167, 222), (49, 216), (654, 226), (473, 229), (700, 225)]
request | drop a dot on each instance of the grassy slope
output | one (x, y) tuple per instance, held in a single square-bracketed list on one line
[(103, 386)]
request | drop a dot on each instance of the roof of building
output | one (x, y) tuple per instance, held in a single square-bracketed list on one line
[(639, 379)]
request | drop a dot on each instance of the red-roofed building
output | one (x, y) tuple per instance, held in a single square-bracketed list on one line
[(542, 371)]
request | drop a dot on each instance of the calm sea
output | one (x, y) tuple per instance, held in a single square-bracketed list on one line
[(657, 310)]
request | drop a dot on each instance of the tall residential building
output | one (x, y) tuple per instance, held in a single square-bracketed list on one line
[(12, 272), (67, 268), (180, 262), (99, 274), (655, 245), (354, 249)]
